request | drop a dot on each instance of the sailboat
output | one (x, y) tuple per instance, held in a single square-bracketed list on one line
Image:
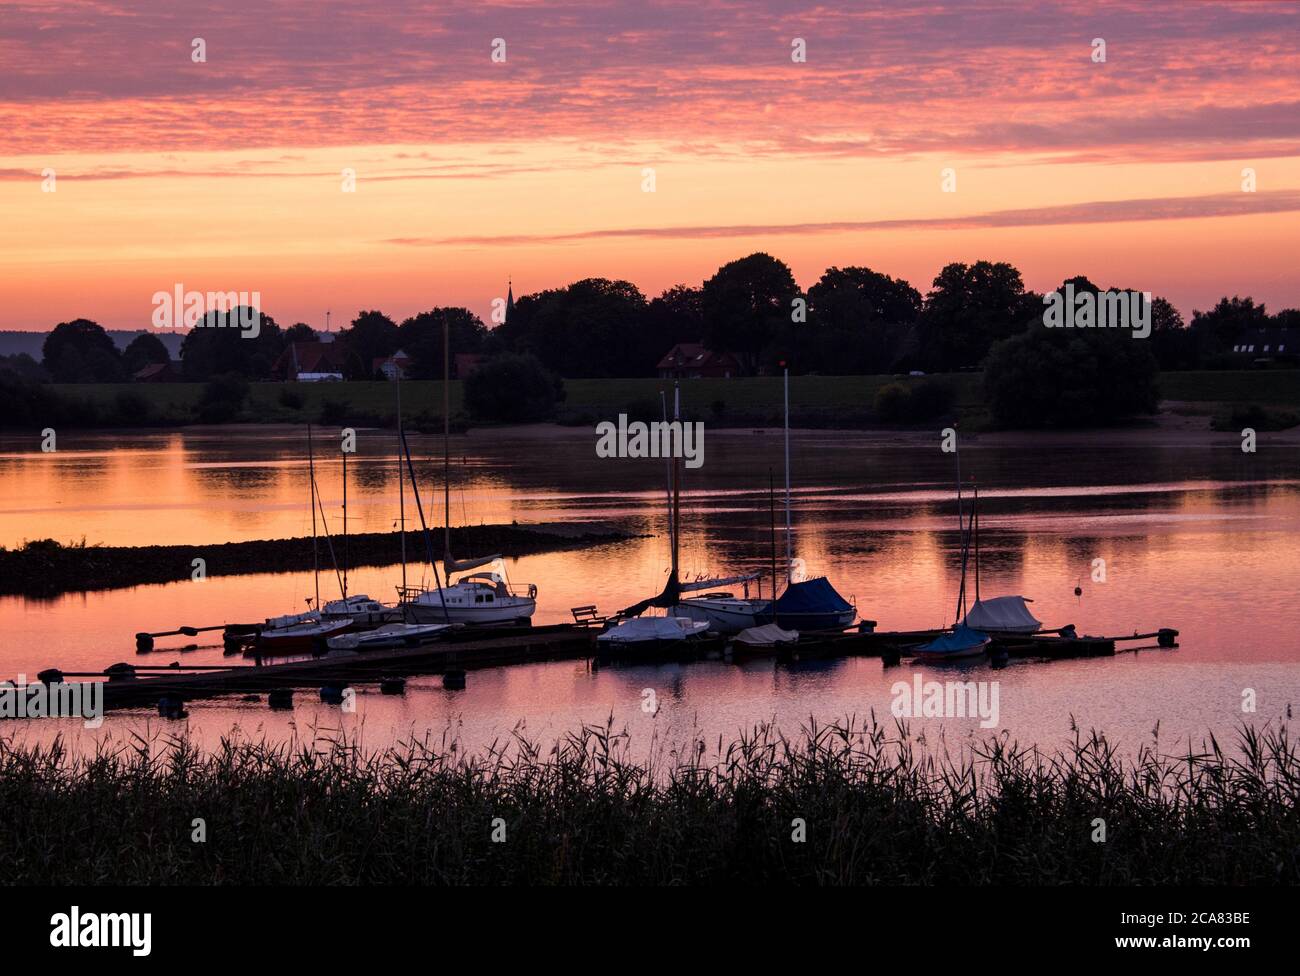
[(477, 597), (811, 604), (963, 641), (651, 636), (721, 610), (304, 631), (999, 614)]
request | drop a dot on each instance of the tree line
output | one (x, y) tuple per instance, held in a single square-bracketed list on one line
[(853, 320)]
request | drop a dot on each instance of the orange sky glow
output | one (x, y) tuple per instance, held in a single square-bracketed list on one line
[(227, 174)]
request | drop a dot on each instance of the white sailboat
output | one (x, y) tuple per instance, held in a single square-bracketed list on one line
[(477, 597)]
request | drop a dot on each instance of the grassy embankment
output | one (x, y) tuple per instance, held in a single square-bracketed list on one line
[(873, 809), (45, 567), (815, 401)]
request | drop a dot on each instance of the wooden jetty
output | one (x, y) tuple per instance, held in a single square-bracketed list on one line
[(129, 686)]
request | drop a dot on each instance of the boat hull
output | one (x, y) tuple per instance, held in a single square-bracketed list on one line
[(501, 613), (956, 654), (724, 616)]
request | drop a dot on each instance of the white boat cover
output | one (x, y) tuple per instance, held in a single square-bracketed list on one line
[(767, 635), (653, 629), (1005, 614)]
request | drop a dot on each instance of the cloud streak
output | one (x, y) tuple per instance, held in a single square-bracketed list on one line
[(1096, 212)]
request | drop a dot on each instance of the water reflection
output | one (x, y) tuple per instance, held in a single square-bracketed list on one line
[(1193, 537)]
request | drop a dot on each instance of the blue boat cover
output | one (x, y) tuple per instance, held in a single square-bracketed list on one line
[(961, 638), (811, 596)]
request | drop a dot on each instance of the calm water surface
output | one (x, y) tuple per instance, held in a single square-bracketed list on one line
[(1198, 537)]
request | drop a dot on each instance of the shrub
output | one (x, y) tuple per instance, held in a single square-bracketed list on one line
[(892, 403), (1069, 378), (290, 398), (222, 399), (513, 389)]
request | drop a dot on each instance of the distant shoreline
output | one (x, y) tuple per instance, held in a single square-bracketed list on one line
[(46, 568)]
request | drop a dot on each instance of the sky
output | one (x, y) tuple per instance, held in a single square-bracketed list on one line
[(651, 141)]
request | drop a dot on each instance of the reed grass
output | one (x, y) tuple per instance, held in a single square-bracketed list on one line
[(878, 808)]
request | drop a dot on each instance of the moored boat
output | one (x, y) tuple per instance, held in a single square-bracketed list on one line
[(299, 632), (961, 642), (645, 636), (390, 635)]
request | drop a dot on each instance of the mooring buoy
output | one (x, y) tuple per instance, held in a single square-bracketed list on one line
[(172, 706), (143, 642), (332, 693), (280, 698), (50, 676), (1167, 637)]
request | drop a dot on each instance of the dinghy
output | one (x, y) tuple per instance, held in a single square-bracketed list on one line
[(766, 636), (390, 635), (962, 642)]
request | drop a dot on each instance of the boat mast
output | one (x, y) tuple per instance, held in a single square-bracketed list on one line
[(344, 584), (677, 486), (789, 555), (315, 551), (668, 464), (977, 541), (446, 439), (401, 483), (771, 504), (424, 528)]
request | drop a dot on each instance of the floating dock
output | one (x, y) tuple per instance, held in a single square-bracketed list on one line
[(130, 687)]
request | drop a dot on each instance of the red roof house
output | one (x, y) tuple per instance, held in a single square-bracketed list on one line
[(690, 360)]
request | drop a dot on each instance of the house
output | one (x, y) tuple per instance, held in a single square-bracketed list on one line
[(1265, 346), (394, 367), (167, 372), (310, 362), (690, 360)]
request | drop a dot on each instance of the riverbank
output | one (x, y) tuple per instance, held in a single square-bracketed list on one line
[(837, 804), (822, 402), (46, 567)]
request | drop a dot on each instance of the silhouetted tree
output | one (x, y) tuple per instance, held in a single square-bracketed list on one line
[(1226, 325), (220, 345), (372, 335), (142, 351), (675, 316), (746, 305), (300, 332), (593, 327), (420, 337), (970, 307), (856, 321), (81, 351), (1070, 377)]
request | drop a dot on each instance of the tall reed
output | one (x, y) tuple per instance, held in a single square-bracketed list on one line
[(875, 808)]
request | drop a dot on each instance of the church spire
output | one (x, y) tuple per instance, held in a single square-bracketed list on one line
[(510, 298)]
